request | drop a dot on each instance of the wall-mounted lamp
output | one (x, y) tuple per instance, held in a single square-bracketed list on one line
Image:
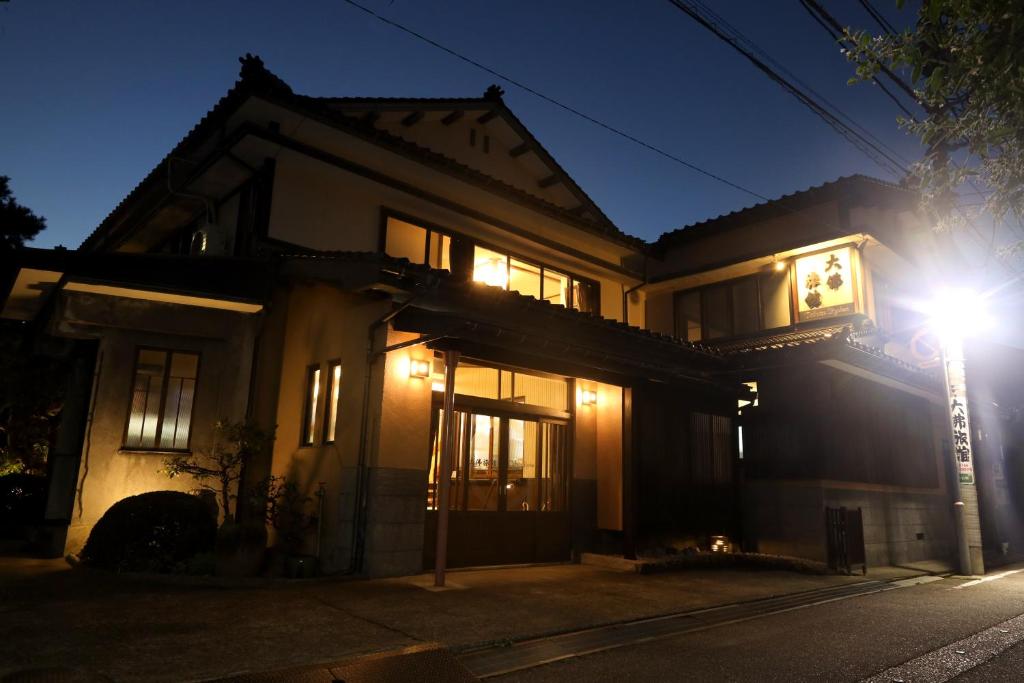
[(779, 266), (588, 398), (419, 368)]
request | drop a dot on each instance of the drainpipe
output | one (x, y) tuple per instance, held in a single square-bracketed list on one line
[(444, 468), (359, 514), (625, 294)]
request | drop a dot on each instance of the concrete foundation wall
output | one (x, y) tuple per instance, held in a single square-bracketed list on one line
[(899, 526)]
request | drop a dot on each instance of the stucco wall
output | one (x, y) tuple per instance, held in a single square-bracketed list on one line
[(325, 324), (107, 472), (320, 206)]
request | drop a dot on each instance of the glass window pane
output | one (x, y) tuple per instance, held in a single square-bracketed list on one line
[(521, 489), (688, 315), (474, 380), (490, 267), (405, 240), (775, 300), (458, 458), (554, 467), (484, 447), (540, 391), (332, 401), (178, 400), (715, 308), (584, 297), (745, 307), (184, 418), (556, 287), (440, 251), (312, 396), (524, 278)]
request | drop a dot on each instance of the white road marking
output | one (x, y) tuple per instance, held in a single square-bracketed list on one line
[(993, 577), (952, 660)]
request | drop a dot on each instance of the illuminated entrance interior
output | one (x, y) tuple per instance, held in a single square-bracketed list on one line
[(511, 468), (503, 464)]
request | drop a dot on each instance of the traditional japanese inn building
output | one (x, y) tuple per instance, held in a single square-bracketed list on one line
[(325, 265)]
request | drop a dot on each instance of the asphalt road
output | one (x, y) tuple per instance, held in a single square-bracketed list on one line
[(849, 640)]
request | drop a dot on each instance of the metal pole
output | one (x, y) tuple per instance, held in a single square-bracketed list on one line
[(444, 469)]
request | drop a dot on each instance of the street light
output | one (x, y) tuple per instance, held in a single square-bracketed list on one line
[(957, 313), (953, 315)]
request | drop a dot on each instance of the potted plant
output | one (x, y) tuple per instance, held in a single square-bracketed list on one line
[(241, 542)]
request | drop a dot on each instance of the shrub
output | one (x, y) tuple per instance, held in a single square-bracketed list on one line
[(151, 532)]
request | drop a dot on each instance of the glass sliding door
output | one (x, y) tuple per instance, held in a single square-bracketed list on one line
[(509, 489)]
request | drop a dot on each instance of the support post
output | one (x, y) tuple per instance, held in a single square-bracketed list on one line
[(629, 483), (444, 469)]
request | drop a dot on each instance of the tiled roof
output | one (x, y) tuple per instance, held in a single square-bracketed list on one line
[(789, 203), (843, 336), (783, 340), (255, 79)]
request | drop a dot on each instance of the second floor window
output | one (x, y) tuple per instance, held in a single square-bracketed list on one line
[(733, 308), (163, 391), (403, 239)]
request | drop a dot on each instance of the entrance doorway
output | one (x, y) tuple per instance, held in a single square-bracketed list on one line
[(509, 488)]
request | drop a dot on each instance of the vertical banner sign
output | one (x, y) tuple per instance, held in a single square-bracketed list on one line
[(956, 387)]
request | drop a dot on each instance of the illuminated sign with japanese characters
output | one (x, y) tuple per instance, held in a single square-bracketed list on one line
[(825, 285), (956, 380)]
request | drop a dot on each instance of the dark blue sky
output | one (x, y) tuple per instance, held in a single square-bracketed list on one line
[(95, 94)]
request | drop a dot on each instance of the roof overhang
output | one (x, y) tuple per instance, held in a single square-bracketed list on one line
[(839, 352), (236, 285)]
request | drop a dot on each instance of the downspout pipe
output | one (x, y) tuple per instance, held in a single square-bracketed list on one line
[(626, 293), (362, 470)]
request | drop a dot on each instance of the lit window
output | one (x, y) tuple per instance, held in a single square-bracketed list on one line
[(405, 240), (556, 288), (734, 307), (524, 278), (309, 410), (490, 267), (333, 393), (163, 391)]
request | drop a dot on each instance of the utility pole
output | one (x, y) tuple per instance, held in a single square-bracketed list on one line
[(968, 519)]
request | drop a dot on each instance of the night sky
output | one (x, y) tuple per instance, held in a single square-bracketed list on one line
[(95, 94)]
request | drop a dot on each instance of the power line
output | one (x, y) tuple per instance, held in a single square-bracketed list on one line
[(795, 79), (870, 149), (837, 31), (551, 100)]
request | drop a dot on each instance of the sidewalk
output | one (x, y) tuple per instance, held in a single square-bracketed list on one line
[(158, 630)]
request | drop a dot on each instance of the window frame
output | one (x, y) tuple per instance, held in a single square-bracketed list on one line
[(307, 436), (163, 400), (331, 364), (731, 307), (431, 227)]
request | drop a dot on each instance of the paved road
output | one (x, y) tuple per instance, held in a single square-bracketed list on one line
[(943, 630)]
